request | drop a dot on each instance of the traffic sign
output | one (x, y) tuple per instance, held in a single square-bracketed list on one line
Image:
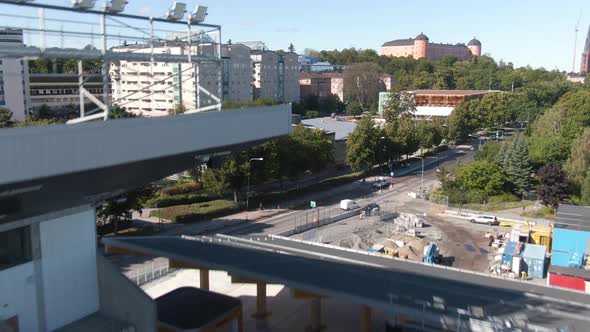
[(312, 204)]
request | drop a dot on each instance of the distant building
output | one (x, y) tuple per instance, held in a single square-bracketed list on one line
[(331, 83), (585, 66), (313, 64), (421, 47), (322, 84), (59, 91), (431, 104), (276, 75), (13, 77), (237, 74)]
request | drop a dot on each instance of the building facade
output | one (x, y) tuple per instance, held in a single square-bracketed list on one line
[(160, 88), (421, 47), (237, 75), (332, 83), (59, 91), (585, 66), (276, 75), (431, 104), (13, 77)]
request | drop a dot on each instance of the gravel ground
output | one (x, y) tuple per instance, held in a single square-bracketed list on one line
[(462, 244)]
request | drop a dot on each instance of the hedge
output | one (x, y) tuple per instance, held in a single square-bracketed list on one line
[(168, 200), (183, 188), (197, 212)]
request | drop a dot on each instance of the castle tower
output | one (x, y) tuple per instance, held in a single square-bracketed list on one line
[(421, 46), (474, 46), (585, 67)]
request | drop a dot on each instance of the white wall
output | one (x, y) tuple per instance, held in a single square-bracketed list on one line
[(70, 286), (18, 296)]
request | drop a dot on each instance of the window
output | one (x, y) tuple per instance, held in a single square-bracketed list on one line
[(15, 247)]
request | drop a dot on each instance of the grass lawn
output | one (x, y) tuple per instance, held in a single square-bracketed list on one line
[(137, 231), (542, 212), (197, 212), (497, 206)]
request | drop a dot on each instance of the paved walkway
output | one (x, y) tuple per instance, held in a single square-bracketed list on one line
[(509, 214)]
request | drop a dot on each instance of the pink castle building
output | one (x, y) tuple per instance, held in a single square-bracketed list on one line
[(421, 47)]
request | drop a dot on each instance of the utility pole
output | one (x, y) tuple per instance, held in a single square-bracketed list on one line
[(577, 28)]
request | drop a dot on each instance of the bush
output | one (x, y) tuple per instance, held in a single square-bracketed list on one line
[(312, 114), (503, 198), (184, 188), (169, 200), (197, 212)]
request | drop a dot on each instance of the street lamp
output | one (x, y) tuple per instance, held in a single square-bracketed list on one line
[(421, 158), (176, 12), (248, 190), (198, 16), (83, 4), (115, 6)]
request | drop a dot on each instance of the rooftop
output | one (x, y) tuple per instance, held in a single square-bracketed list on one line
[(341, 129), (570, 271), (400, 42), (177, 308), (453, 92), (573, 217)]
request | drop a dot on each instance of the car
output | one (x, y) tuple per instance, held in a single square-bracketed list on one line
[(371, 209), (380, 184), (484, 219)]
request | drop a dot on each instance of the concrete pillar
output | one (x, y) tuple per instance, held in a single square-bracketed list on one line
[(316, 315), (261, 311), (365, 318), (204, 278)]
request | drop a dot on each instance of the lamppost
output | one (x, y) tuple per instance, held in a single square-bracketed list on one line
[(248, 190), (421, 158)]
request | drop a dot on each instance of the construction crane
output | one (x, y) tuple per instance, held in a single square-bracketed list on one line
[(576, 40)]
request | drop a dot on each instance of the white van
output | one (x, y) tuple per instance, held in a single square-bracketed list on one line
[(348, 204), (483, 219)]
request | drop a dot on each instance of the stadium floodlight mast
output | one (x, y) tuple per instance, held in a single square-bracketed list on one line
[(198, 16), (115, 6), (177, 11), (83, 4)]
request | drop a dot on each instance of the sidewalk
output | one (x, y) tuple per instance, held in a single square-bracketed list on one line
[(513, 215)]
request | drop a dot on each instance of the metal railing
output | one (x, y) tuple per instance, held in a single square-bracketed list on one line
[(150, 271)]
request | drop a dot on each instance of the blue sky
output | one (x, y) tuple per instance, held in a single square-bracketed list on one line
[(539, 33)]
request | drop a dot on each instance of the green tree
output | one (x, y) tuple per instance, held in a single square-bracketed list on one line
[(291, 48), (362, 83), (118, 112), (318, 151), (215, 181), (548, 149), (362, 145), (235, 171), (579, 161), (403, 134), (398, 104), (354, 108), (485, 177), (5, 118), (553, 187), (328, 104), (311, 102), (178, 109), (489, 151), (518, 165), (118, 209)]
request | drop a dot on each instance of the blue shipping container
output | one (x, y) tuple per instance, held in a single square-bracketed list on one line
[(509, 252), (568, 245), (533, 257)]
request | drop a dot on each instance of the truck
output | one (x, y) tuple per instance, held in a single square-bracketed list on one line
[(348, 204)]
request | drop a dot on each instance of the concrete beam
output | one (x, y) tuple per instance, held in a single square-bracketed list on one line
[(180, 265), (365, 318), (261, 309), (300, 294), (110, 250), (242, 280), (204, 278)]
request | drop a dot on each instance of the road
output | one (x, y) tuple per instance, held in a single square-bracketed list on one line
[(363, 193)]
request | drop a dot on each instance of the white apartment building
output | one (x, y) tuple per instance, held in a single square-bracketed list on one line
[(158, 88), (276, 75), (13, 80)]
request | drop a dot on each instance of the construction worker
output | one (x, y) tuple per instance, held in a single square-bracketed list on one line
[(523, 275)]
